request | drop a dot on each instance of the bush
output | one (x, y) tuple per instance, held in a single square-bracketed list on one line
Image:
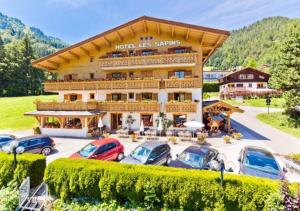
[(9, 197), (175, 188), (211, 87), (28, 165)]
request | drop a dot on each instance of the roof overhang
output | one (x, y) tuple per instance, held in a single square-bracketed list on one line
[(64, 113), (210, 39), (219, 106)]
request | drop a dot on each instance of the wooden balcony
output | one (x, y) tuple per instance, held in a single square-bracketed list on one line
[(178, 107), (102, 85), (183, 83), (150, 61), (151, 106)]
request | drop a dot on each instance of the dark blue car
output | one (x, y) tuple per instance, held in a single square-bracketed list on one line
[(256, 161), (196, 157), (5, 139), (38, 144)]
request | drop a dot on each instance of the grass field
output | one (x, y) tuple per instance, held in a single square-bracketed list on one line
[(12, 111), (259, 102), (207, 95), (279, 121)]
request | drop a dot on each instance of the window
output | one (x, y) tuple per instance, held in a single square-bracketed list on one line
[(250, 85), (35, 141), (116, 54), (261, 77), (92, 75), (260, 85), (131, 96), (101, 150), (117, 75), (116, 97), (147, 52), (179, 120), (111, 146), (92, 96), (246, 76), (155, 153), (239, 85), (179, 74), (91, 59), (179, 97), (146, 96), (73, 97), (24, 144), (147, 120), (131, 74)]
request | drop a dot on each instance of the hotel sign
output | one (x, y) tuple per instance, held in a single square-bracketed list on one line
[(148, 44)]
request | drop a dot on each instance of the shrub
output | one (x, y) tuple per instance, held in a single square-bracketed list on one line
[(175, 188), (9, 197), (211, 87), (28, 165)]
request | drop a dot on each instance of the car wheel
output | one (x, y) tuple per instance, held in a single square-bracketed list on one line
[(120, 156), (169, 159), (46, 151)]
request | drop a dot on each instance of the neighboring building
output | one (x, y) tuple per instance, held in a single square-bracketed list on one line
[(140, 68), (214, 75), (245, 82)]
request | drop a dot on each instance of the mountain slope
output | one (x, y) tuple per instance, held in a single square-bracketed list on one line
[(258, 41), (13, 29)]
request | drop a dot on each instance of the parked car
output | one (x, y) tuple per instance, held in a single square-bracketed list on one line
[(103, 149), (256, 161), (5, 139), (150, 152), (38, 144), (197, 157)]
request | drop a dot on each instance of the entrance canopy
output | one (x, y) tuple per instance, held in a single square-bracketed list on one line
[(217, 106)]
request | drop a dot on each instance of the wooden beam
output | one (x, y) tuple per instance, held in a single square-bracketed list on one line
[(119, 36), (97, 47), (145, 28), (131, 31), (74, 54), (47, 67), (158, 28), (202, 38), (173, 31), (64, 59), (107, 41), (187, 34), (215, 46), (85, 51), (52, 62)]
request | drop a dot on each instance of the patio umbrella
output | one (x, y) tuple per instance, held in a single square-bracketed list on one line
[(194, 125), (160, 125), (100, 124), (142, 129)]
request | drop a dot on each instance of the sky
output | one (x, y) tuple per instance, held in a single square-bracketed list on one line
[(76, 20)]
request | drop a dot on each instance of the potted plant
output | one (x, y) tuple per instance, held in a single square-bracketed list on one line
[(37, 131), (173, 139), (129, 121), (165, 121), (133, 137), (237, 136), (201, 138), (226, 138)]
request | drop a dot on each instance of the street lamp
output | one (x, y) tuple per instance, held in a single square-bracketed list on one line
[(13, 147)]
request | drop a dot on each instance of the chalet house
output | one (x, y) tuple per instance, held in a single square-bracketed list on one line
[(245, 82)]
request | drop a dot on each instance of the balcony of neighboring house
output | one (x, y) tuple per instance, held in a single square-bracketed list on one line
[(179, 102), (148, 58)]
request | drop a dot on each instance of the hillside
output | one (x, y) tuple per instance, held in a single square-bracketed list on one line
[(258, 41), (13, 29)]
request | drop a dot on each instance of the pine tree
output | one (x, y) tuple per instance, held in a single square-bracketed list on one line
[(286, 71)]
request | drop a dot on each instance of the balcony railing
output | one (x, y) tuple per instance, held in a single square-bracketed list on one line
[(102, 85), (159, 60), (183, 83), (175, 107), (151, 106)]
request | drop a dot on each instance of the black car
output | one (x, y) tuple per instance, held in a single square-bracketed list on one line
[(5, 139), (38, 144), (150, 152), (196, 157), (256, 161)]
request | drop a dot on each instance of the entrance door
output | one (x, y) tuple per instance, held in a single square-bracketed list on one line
[(116, 121)]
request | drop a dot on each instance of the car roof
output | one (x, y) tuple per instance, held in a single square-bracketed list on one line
[(258, 151), (31, 137), (199, 150), (153, 144), (6, 135), (103, 141)]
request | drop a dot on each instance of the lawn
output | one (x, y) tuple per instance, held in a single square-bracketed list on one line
[(258, 102), (12, 111), (279, 121), (207, 95)]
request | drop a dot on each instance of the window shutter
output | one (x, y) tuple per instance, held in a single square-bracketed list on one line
[(79, 97), (108, 76), (138, 97), (66, 97), (188, 96), (124, 75), (108, 97), (170, 74), (155, 96), (188, 73), (124, 97), (170, 96)]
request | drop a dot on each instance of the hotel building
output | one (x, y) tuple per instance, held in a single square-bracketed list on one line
[(140, 68)]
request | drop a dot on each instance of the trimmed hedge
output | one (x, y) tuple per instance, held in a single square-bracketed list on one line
[(210, 87), (28, 165), (175, 188)]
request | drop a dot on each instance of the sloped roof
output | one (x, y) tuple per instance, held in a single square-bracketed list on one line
[(209, 38), (216, 103)]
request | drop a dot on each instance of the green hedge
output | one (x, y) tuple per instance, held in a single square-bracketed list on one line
[(175, 188), (28, 165), (210, 87)]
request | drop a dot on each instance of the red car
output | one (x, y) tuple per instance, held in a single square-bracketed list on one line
[(103, 149)]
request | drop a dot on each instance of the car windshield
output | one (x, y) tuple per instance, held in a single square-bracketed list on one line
[(87, 150), (191, 159), (141, 154), (261, 160)]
